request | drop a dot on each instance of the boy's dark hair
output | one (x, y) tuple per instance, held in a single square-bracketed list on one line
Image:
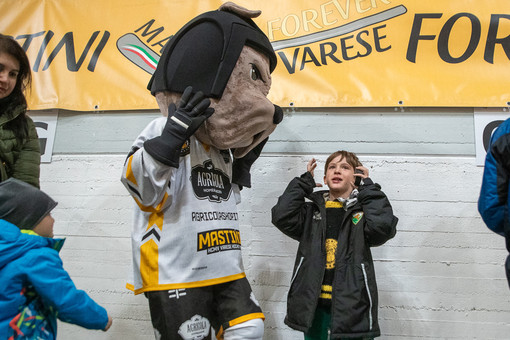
[(349, 157)]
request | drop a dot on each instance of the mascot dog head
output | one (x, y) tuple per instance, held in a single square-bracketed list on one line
[(226, 56)]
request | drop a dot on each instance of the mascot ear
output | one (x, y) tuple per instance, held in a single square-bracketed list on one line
[(240, 11), (241, 166)]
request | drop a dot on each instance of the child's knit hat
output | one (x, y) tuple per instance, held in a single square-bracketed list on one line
[(23, 204)]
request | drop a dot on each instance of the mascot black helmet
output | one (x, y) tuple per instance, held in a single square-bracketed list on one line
[(203, 53)]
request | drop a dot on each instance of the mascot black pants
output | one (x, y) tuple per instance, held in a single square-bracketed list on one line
[(191, 313)]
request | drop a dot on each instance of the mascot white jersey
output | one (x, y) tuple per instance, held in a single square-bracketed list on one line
[(186, 228)]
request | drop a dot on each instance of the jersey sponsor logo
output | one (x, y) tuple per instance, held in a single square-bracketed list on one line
[(198, 216), (195, 328), (176, 293), (210, 183), (214, 241)]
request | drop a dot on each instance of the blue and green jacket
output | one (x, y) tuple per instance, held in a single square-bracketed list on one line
[(36, 290)]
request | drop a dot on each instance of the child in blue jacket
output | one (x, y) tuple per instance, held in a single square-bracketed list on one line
[(35, 287)]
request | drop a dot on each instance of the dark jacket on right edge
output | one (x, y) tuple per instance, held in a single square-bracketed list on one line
[(354, 302), (494, 204)]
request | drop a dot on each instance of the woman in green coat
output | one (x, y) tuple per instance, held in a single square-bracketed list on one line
[(20, 154)]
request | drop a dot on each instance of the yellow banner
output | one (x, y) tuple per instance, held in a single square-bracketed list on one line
[(98, 55)]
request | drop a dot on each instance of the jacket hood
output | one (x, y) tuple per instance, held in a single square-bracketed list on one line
[(14, 243)]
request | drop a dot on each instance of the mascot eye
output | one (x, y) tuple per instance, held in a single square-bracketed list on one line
[(255, 73)]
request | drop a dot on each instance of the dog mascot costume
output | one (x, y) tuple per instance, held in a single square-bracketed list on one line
[(185, 172)]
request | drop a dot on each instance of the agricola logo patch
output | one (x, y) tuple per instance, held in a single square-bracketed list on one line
[(210, 183)]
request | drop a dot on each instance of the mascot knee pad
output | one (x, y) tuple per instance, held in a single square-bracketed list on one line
[(248, 330)]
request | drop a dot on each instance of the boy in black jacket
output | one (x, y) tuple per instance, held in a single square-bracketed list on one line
[(333, 292)]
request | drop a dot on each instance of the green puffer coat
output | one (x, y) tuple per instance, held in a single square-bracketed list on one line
[(20, 160)]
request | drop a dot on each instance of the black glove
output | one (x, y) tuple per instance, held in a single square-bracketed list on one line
[(241, 166), (180, 125)]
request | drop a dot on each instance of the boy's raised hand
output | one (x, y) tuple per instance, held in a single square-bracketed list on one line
[(310, 167)]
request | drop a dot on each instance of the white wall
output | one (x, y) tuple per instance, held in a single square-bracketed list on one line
[(441, 277)]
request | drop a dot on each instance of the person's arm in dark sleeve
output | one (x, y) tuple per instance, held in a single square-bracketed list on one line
[(381, 224), (288, 213), (27, 166)]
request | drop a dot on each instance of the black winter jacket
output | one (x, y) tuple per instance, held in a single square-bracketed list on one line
[(354, 301)]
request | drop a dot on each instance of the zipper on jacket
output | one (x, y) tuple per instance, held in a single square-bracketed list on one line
[(347, 214), (322, 224), (297, 270), (370, 319)]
